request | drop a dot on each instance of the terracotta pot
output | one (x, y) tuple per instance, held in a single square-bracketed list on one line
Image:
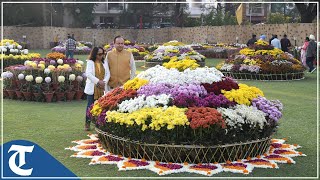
[(37, 96), (70, 95), (59, 95), (12, 94), (48, 96), (79, 94), (55, 86), (27, 95), (19, 94), (5, 93)]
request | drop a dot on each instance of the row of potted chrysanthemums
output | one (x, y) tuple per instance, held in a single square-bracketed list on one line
[(194, 106), (262, 58), (80, 48), (45, 79), (13, 53)]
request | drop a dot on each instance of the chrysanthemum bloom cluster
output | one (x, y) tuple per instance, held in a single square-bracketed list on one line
[(135, 83), (116, 96), (204, 117), (243, 95), (271, 108), (226, 84)]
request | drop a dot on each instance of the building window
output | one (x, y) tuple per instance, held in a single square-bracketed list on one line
[(254, 9)]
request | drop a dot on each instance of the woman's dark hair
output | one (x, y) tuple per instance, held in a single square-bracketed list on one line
[(307, 39), (94, 53)]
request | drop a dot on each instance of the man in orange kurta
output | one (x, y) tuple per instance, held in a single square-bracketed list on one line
[(121, 64)]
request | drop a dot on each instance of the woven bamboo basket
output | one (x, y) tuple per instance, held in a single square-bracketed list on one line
[(265, 77), (183, 153)]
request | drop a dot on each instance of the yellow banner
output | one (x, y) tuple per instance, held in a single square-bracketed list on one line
[(239, 14)]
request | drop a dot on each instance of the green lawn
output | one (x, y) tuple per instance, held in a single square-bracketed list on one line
[(54, 125)]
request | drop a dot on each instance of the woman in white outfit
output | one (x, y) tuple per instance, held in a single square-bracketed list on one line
[(98, 75)]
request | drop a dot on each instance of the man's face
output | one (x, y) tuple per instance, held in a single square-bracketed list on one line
[(119, 44)]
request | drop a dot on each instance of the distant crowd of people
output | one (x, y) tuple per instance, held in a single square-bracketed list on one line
[(308, 50)]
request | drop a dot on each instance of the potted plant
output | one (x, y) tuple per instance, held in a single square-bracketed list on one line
[(8, 84), (48, 93), (19, 86), (27, 87), (37, 91), (79, 91), (70, 93), (60, 92)]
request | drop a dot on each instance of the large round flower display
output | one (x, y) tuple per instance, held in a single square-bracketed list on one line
[(190, 106), (263, 62)]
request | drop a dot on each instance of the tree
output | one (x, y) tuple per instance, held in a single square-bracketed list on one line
[(308, 11), (82, 13)]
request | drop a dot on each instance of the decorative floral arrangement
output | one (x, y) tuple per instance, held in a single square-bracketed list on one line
[(13, 53), (55, 55), (196, 106), (81, 48), (281, 153), (43, 75), (261, 58), (173, 52)]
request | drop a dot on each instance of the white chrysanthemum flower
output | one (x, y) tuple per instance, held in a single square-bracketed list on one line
[(72, 77), (10, 46), (21, 76), (47, 79), (19, 46), (61, 79), (29, 78), (25, 51), (79, 78), (80, 62), (39, 80), (60, 61), (47, 71)]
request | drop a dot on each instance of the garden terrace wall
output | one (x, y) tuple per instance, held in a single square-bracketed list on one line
[(40, 37)]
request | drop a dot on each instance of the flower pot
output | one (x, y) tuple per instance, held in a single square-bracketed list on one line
[(27, 95), (55, 86), (70, 95), (11, 93), (5, 93), (48, 96), (19, 94), (79, 94), (37, 96), (60, 96)]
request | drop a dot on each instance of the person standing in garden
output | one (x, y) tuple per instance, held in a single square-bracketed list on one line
[(121, 64), (98, 75), (303, 51), (311, 53), (252, 40), (70, 47), (285, 43), (276, 42)]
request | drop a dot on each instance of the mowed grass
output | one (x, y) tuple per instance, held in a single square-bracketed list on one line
[(54, 125)]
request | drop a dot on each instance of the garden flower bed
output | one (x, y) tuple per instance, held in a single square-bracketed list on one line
[(14, 54), (80, 49), (183, 109), (138, 51), (262, 62), (173, 52), (49, 79)]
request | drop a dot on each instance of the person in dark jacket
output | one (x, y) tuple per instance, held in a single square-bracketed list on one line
[(252, 40), (272, 37), (285, 43), (311, 53)]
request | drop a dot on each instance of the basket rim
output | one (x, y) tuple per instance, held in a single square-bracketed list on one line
[(99, 131)]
